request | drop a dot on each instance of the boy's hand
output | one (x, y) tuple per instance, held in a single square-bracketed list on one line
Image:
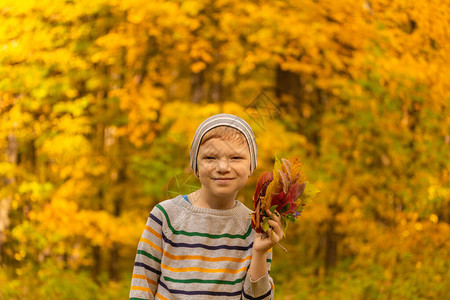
[(264, 241)]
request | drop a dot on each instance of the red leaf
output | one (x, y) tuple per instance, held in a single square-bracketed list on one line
[(256, 218), (284, 180), (278, 199), (261, 185)]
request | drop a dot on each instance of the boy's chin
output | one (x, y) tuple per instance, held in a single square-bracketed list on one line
[(224, 193)]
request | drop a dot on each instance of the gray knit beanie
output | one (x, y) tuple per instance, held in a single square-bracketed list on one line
[(224, 120)]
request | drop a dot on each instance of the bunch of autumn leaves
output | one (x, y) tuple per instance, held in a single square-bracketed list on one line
[(283, 191)]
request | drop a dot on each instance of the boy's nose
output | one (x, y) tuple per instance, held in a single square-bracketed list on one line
[(223, 165)]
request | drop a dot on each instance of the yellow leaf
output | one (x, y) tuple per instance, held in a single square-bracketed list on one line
[(197, 67)]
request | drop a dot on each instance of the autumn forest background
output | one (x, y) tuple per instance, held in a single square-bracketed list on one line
[(99, 101)]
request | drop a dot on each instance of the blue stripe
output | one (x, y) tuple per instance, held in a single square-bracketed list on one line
[(138, 264), (257, 298), (186, 198), (227, 247), (161, 283), (155, 219)]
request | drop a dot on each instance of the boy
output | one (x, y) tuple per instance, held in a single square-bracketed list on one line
[(201, 245)]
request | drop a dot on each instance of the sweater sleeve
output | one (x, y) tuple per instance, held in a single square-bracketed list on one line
[(147, 265), (262, 288)]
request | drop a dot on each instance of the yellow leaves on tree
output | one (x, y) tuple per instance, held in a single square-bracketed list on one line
[(96, 102), (62, 223)]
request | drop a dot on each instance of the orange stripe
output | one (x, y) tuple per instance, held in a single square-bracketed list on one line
[(161, 296), (140, 288), (203, 270), (205, 258), (145, 278), (153, 231), (151, 244)]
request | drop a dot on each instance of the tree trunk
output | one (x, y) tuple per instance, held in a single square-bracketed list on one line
[(332, 238), (114, 253), (5, 203), (118, 201), (215, 93), (331, 248), (288, 83), (197, 87), (319, 109), (97, 262)]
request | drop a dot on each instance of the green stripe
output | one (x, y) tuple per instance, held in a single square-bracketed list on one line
[(269, 260), (136, 299), (149, 255), (204, 281), (211, 236)]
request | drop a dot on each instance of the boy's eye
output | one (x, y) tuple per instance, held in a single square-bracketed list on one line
[(237, 157), (209, 157)]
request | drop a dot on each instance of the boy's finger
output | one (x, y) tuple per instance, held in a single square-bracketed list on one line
[(277, 228), (274, 236), (276, 218), (273, 215)]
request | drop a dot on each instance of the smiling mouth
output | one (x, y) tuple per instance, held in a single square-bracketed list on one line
[(223, 178)]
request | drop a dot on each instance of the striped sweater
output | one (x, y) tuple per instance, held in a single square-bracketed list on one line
[(187, 252)]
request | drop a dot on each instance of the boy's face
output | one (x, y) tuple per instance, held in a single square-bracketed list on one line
[(223, 167)]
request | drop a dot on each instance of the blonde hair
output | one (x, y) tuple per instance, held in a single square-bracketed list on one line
[(226, 133)]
